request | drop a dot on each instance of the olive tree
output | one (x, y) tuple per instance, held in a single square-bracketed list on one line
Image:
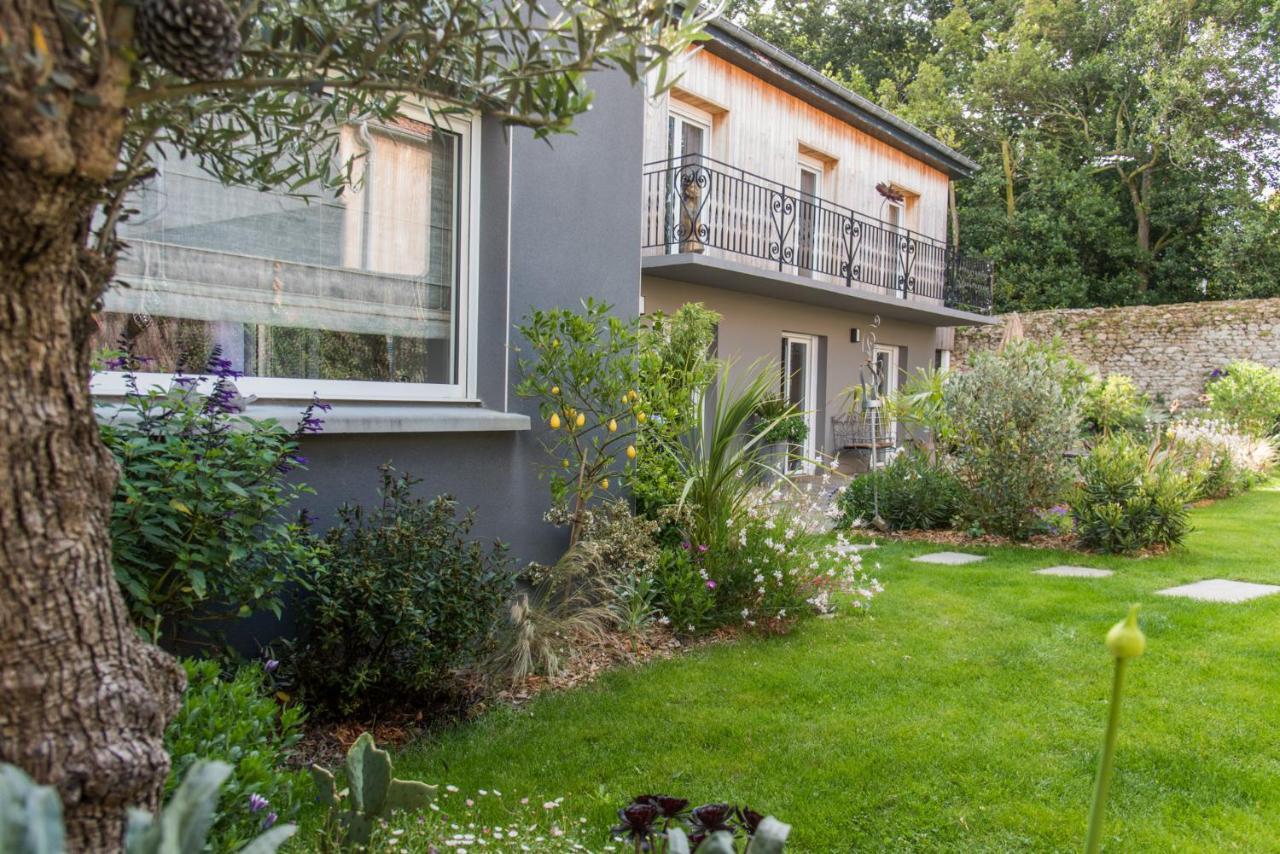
[(256, 92)]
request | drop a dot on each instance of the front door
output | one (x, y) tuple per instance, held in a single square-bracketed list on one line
[(800, 389)]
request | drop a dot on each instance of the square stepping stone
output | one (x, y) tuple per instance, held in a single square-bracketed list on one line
[(948, 558), (1075, 571), (1221, 590)]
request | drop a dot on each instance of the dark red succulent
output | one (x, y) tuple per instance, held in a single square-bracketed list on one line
[(749, 820), (709, 818), (637, 824), (668, 806)]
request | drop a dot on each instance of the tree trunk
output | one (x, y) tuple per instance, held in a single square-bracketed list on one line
[(83, 700), (1140, 195)]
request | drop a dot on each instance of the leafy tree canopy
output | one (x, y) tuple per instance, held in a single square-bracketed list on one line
[(1128, 150)]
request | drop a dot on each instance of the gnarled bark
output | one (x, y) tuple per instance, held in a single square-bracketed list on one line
[(83, 700)]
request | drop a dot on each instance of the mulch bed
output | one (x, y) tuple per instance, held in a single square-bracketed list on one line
[(326, 742)]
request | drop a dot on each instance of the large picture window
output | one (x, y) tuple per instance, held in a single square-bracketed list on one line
[(331, 293)]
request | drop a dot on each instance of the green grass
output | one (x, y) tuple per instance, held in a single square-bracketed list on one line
[(965, 714)]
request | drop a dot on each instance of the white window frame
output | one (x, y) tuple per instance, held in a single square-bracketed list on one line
[(692, 115), (467, 127), (810, 412)]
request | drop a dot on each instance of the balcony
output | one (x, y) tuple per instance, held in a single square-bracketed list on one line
[(696, 206)]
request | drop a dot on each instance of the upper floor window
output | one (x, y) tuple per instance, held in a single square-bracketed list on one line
[(688, 131), (341, 295)]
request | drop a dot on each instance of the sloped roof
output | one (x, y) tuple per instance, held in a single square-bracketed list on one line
[(772, 63)]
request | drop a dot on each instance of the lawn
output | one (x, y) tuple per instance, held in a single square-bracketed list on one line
[(964, 714)]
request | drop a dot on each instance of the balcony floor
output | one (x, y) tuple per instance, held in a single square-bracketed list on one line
[(718, 272)]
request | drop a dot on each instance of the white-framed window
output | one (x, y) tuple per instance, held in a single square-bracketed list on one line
[(368, 294), (800, 389)]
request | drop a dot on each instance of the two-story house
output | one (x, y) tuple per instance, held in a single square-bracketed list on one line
[(395, 301), (813, 221)]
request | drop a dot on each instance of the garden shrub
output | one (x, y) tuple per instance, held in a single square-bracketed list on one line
[(404, 600), (1246, 395), (234, 721), (911, 493), (199, 529), (1221, 459), (1016, 415), (686, 593), (1114, 404), (676, 368), (1130, 497)]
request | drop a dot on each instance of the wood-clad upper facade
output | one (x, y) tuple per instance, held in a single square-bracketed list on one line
[(757, 127)]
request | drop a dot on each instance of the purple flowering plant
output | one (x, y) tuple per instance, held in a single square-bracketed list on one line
[(201, 521)]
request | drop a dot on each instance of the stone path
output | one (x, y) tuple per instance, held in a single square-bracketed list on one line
[(1221, 590), (948, 558), (1075, 571)]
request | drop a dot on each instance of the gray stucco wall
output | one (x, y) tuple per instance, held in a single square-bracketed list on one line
[(751, 328), (574, 231)]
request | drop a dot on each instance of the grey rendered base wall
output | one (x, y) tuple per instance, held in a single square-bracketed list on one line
[(751, 329), (1168, 350), (491, 472)]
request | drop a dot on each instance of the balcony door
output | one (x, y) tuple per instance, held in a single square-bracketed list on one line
[(895, 217), (688, 141), (800, 389), (807, 260)]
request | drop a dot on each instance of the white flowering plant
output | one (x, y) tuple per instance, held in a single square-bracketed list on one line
[(776, 565), (1222, 458), (485, 820)]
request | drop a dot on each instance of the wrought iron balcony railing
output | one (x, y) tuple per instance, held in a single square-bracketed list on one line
[(696, 204)]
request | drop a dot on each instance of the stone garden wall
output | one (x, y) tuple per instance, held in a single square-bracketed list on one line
[(1168, 350)]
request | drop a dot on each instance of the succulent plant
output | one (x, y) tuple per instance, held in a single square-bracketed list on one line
[(31, 817), (713, 828), (371, 793)]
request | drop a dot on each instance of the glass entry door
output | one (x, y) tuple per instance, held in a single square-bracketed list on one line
[(800, 389), (887, 385)]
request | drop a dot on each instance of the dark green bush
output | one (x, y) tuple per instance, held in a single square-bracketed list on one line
[(1130, 498), (1015, 415), (237, 723), (913, 493), (199, 530), (404, 600)]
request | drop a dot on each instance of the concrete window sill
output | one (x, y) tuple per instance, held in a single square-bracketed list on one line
[(360, 417)]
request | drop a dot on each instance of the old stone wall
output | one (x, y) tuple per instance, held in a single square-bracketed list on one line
[(1168, 350)]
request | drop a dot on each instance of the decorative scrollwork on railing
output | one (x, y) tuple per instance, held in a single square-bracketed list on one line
[(690, 184), (696, 204), (782, 218), (851, 244)]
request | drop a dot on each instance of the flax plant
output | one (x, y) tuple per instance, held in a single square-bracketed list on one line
[(722, 459)]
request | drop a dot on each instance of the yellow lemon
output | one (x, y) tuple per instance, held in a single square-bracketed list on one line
[(640, 416), (632, 395), (555, 421), (604, 484), (613, 426), (631, 452), (582, 419), (564, 464), (625, 398), (555, 389)]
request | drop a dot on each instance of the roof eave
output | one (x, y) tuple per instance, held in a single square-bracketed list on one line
[(744, 48)]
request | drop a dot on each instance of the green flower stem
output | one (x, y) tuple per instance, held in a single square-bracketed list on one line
[(1094, 841)]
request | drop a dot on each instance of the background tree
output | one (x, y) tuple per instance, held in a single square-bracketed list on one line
[(1128, 150), (256, 94)]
